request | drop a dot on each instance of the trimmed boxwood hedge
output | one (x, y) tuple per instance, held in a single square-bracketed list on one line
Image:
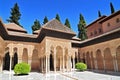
[(81, 66), (22, 68)]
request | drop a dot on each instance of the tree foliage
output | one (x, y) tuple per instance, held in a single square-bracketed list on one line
[(15, 15), (57, 17), (99, 13), (67, 23), (22, 68), (45, 20), (36, 25), (81, 66), (112, 8), (81, 28)]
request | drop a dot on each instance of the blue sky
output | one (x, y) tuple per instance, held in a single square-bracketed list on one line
[(71, 9)]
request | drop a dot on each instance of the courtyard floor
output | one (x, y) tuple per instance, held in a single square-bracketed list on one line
[(86, 75)]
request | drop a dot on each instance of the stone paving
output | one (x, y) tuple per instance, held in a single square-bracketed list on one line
[(86, 75)]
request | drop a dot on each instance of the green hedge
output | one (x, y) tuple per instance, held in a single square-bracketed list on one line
[(22, 68), (81, 66)]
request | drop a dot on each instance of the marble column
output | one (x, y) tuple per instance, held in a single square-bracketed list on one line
[(46, 64), (104, 64), (48, 60), (96, 66), (42, 66), (29, 60), (19, 59), (19, 53), (54, 59), (10, 62), (67, 63), (1, 65), (63, 60), (73, 64), (115, 64), (11, 52), (60, 63)]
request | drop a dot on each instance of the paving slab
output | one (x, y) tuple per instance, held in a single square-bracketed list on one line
[(86, 75)]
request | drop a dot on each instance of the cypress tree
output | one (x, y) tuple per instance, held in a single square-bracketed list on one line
[(81, 28), (99, 14), (45, 20), (57, 17), (112, 8), (36, 25), (67, 23), (15, 15)]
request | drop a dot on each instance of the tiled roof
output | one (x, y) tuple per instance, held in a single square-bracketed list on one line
[(13, 33), (99, 19), (104, 34), (37, 31), (14, 26), (111, 16), (57, 26)]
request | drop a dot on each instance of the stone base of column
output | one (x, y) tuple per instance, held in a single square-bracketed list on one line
[(1, 68)]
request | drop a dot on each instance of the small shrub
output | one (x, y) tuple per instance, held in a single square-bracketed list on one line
[(81, 66), (22, 68)]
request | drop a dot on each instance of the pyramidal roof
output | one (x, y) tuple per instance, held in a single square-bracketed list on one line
[(13, 26), (57, 26)]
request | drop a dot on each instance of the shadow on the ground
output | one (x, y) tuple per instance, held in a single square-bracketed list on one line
[(107, 72), (80, 70), (20, 74)]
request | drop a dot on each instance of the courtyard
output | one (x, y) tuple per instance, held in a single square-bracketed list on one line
[(86, 75)]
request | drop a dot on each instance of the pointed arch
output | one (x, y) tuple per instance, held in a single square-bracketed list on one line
[(84, 59), (14, 58), (51, 58), (108, 60), (99, 59), (93, 62), (59, 56), (88, 60), (6, 60), (25, 55), (35, 61), (66, 57), (118, 57)]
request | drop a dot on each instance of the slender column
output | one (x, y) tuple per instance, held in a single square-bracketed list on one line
[(19, 59), (67, 63), (73, 64), (55, 59), (85, 59), (29, 60), (11, 52), (42, 64), (46, 64), (19, 51), (96, 64), (10, 62), (91, 62), (60, 63), (115, 64), (104, 64), (63, 60), (1, 65)]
